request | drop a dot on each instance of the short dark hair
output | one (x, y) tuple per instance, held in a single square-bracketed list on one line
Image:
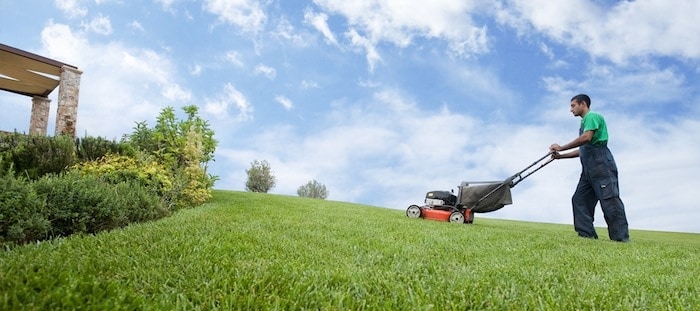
[(582, 98)]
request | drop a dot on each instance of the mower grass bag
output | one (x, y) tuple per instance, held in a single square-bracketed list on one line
[(493, 197)]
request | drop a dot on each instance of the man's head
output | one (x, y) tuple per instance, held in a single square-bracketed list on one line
[(582, 98), (580, 104)]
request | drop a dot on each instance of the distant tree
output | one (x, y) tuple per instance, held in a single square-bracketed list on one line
[(260, 177), (313, 189)]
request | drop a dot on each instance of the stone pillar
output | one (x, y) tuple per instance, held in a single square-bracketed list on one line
[(68, 90), (40, 115)]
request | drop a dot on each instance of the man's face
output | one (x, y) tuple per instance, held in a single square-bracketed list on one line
[(577, 108)]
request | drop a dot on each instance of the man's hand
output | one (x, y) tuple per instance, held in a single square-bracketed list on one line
[(555, 147)]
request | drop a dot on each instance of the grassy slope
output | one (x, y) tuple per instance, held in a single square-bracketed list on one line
[(256, 251)]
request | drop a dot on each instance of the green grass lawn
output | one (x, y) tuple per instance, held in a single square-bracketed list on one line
[(257, 251)]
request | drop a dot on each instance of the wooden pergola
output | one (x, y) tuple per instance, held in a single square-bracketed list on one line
[(32, 75)]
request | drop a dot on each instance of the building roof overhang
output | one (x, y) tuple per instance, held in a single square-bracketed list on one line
[(28, 74)]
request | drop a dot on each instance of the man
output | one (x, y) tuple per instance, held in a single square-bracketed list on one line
[(598, 182)]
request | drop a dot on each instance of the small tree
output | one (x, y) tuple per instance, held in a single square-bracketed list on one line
[(313, 189), (184, 147), (260, 177)]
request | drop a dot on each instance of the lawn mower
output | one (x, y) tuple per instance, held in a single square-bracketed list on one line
[(472, 197)]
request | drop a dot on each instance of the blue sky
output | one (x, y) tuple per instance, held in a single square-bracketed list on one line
[(382, 101)]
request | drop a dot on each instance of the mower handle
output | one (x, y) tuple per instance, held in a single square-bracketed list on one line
[(512, 181)]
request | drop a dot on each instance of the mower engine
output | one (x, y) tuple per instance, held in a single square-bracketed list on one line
[(440, 198)]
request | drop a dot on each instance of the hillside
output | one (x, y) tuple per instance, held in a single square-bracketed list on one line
[(260, 251)]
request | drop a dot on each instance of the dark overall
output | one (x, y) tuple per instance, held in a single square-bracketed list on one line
[(598, 183)]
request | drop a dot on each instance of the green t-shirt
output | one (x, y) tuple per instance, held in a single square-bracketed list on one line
[(593, 121)]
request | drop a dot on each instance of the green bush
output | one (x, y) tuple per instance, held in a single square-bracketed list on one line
[(191, 182), (115, 168), (79, 203), (184, 148), (147, 173), (313, 189), (91, 148), (36, 156), (260, 177), (23, 216)]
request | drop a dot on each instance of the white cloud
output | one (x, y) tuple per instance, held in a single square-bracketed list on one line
[(234, 57), (71, 8), (175, 92), (231, 97), (398, 22), (624, 30), (166, 4), (61, 43), (267, 71), (368, 84), (320, 22), (147, 63), (285, 102), (248, 15), (370, 49), (309, 84), (655, 88), (196, 70), (135, 25), (100, 25), (286, 31)]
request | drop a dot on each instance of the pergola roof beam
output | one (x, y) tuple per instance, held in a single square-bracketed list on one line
[(29, 73)]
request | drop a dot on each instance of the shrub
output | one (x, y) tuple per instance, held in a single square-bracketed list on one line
[(192, 183), (80, 203), (116, 169), (36, 156), (260, 177), (313, 189), (91, 148), (23, 216), (184, 148)]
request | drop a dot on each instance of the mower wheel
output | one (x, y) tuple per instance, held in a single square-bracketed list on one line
[(413, 211), (457, 217)]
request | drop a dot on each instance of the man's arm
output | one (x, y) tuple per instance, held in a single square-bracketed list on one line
[(572, 154), (579, 141)]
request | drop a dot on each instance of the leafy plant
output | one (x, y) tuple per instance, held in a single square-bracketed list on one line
[(170, 136), (23, 216), (147, 173), (91, 148), (79, 203), (260, 177), (184, 148), (313, 189), (35, 156)]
